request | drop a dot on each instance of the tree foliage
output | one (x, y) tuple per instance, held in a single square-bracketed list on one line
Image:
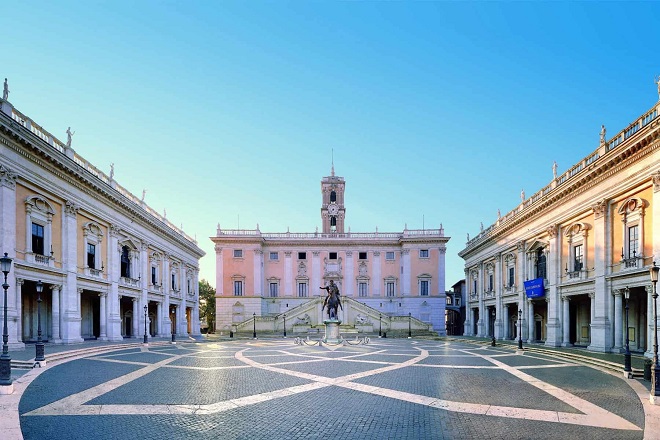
[(207, 304)]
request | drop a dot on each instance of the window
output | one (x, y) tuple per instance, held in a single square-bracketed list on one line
[(474, 286), (424, 288), (333, 255), (125, 262), (37, 239), (490, 282), (273, 289), (333, 223), (238, 288), (540, 264), (333, 196), (423, 253), (362, 255), (153, 275), (633, 241), (449, 302), (457, 301), (389, 256), (512, 273), (189, 286), (174, 283), (238, 253), (389, 288), (362, 289), (578, 256), (91, 256), (302, 290), (302, 255), (274, 256)]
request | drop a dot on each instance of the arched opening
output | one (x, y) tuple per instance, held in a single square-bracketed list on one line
[(333, 196)]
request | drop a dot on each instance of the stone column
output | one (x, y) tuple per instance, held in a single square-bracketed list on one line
[(566, 322), (592, 299), (349, 279), (114, 325), (164, 319), (183, 329), (483, 319), (470, 330), (8, 212), (258, 272), (601, 326), (56, 290), (618, 319), (531, 323), (467, 325), (649, 313), (505, 321), (159, 319), (553, 328), (498, 328), (144, 300), (135, 317), (288, 274), (70, 304), (655, 206), (378, 279), (405, 276), (103, 318), (14, 310)]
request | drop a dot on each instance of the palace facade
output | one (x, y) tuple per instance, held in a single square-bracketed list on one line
[(561, 264), (106, 260), (385, 276)]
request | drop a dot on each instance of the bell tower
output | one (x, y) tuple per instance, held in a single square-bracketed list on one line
[(333, 211)]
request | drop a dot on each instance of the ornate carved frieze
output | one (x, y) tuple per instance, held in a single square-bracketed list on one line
[(7, 177)]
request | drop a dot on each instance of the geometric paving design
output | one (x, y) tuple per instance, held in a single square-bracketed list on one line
[(204, 380)]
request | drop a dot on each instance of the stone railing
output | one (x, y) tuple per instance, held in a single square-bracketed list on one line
[(56, 144), (632, 131), (319, 235), (126, 281)]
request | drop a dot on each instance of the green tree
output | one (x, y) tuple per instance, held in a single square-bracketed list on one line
[(207, 304)]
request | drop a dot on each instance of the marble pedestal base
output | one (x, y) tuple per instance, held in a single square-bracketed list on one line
[(332, 331)]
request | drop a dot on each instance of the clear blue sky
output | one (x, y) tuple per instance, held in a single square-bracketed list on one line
[(436, 111)]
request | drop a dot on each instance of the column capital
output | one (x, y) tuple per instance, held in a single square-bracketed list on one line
[(566, 298), (55, 287), (80, 290), (376, 253), (617, 292), (19, 281), (114, 230), (349, 254), (442, 250), (103, 294), (599, 208), (552, 231), (7, 177), (70, 208), (656, 181)]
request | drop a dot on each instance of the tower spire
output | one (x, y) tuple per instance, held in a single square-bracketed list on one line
[(332, 171)]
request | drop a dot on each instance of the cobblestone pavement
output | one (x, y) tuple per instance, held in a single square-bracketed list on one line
[(273, 389)]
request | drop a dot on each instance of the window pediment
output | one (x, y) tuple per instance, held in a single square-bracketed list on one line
[(631, 205)]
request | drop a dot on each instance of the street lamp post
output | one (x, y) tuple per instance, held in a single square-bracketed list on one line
[(655, 372), (39, 347), (145, 323), (492, 319), (173, 325), (520, 347), (285, 325), (409, 330), (627, 368), (5, 359), (254, 325), (380, 326)]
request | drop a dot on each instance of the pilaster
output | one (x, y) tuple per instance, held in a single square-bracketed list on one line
[(601, 326), (7, 211), (553, 327)]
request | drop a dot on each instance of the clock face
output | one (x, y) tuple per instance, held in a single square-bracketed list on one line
[(333, 209)]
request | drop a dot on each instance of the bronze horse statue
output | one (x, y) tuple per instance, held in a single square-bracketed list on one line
[(332, 300)]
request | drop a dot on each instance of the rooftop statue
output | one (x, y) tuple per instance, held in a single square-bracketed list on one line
[(69, 134), (5, 91), (554, 169), (602, 134)]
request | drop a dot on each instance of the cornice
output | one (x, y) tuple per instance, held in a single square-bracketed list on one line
[(68, 171), (616, 162)]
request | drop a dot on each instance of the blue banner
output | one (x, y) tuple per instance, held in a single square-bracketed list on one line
[(534, 288)]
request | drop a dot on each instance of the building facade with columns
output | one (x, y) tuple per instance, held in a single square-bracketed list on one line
[(272, 274), (560, 263), (105, 258)]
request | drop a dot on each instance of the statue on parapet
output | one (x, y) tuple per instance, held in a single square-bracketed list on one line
[(602, 134), (522, 195), (554, 169), (69, 134), (5, 91), (657, 82), (112, 171), (332, 300)]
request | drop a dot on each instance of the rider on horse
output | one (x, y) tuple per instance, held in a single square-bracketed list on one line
[(332, 300)]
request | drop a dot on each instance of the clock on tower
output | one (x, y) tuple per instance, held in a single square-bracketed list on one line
[(332, 208)]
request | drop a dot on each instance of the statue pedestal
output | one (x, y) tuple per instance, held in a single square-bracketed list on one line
[(332, 331)]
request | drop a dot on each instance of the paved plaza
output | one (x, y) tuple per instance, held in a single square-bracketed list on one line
[(275, 389)]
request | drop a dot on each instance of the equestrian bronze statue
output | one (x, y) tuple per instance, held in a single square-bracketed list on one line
[(332, 300)]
